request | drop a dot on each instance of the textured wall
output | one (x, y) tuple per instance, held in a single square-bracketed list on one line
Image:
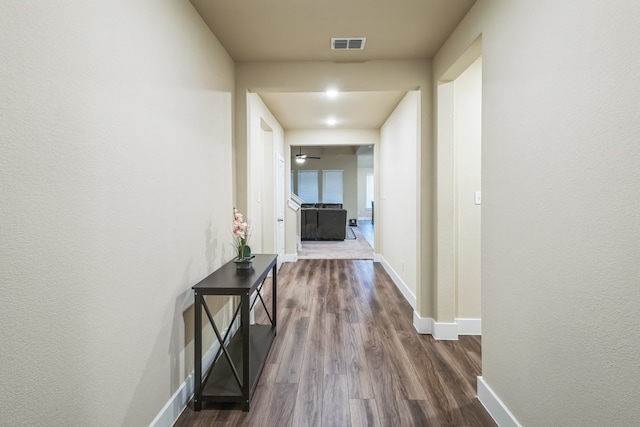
[(115, 166), (398, 177), (561, 212)]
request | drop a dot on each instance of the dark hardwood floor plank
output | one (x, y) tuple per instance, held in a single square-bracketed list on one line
[(285, 322), (358, 373), (289, 372), (386, 385), (335, 398), (364, 412), (422, 413), (308, 408), (388, 335), (335, 348), (280, 406), (334, 301)]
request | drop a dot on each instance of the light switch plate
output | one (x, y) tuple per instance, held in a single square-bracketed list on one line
[(478, 197)]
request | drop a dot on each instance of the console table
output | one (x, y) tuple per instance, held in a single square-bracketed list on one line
[(235, 371)]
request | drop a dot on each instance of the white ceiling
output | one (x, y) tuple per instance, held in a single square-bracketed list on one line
[(301, 30)]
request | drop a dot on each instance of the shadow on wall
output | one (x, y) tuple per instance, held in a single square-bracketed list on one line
[(179, 343)]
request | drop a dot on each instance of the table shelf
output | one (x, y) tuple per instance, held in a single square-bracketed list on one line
[(220, 385)]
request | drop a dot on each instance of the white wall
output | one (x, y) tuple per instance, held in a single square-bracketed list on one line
[(116, 196), (560, 213), (265, 139), (468, 144), (397, 209)]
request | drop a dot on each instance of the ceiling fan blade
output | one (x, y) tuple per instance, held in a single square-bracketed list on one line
[(301, 155)]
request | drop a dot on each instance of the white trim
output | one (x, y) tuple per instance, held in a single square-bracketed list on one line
[(176, 404), (290, 258), (496, 408), (404, 289), (469, 326), (364, 218), (293, 205), (424, 325), (377, 257), (445, 331), (171, 411)]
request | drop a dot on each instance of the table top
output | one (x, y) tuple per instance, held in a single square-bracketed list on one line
[(227, 280)]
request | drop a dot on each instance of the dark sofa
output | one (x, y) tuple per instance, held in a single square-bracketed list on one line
[(323, 221)]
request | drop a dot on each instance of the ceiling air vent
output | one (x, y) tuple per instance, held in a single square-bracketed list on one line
[(355, 43)]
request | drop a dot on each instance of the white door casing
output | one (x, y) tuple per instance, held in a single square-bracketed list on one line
[(280, 207)]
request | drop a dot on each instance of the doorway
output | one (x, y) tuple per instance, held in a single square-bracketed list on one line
[(331, 181), (458, 285)]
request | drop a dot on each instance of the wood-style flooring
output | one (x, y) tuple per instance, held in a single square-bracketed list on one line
[(366, 228), (347, 354)]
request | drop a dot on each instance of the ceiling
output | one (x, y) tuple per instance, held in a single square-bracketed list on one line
[(301, 30), (351, 110)]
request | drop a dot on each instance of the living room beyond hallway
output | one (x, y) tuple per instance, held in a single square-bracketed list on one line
[(359, 248)]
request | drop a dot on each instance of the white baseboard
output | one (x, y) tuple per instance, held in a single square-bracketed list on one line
[(492, 403), (169, 414), (408, 295), (377, 257), (445, 331), (424, 325), (290, 258), (364, 218), (468, 326)]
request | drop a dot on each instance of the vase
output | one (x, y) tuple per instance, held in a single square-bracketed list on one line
[(244, 263)]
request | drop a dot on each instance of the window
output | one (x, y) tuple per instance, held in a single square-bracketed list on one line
[(292, 188), (308, 186), (332, 186), (369, 191)]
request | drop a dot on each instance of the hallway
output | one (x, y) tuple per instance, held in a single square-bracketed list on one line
[(347, 354)]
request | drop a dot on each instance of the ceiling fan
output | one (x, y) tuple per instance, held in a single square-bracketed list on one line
[(300, 157)]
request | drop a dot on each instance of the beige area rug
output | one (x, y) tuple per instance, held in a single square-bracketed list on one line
[(347, 249)]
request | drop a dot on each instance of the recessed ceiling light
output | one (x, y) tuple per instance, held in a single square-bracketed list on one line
[(331, 121), (332, 93)]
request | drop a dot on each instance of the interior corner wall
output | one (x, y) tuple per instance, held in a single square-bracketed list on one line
[(116, 198), (560, 208), (399, 178), (468, 157), (444, 292)]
